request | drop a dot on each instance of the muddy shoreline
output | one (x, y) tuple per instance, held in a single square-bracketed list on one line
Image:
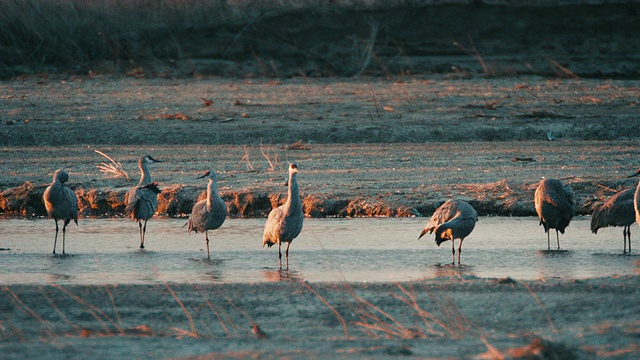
[(335, 183), (365, 147)]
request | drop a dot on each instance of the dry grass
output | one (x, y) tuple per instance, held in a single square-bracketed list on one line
[(80, 32), (473, 51), (113, 169), (246, 160), (326, 303), (273, 164)]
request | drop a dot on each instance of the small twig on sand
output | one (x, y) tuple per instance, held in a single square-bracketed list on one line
[(215, 312), (93, 310), (326, 303), (607, 188), (245, 158), (553, 328), (475, 53), (181, 332), (566, 72), (272, 164), (27, 310), (298, 145), (255, 328), (115, 310), (490, 105)]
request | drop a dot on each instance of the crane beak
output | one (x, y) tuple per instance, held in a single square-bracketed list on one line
[(204, 175), (636, 173)]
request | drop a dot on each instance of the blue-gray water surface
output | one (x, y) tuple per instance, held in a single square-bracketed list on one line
[(105, 251)]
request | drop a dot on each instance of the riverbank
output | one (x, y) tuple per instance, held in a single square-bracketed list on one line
[(365, 147)]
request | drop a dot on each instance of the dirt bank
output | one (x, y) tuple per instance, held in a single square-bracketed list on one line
[(336, 180)]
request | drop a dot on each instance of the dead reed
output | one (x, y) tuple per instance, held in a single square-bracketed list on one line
[(113, 169)]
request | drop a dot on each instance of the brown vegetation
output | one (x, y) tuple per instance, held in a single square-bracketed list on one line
[(431, 318), (143, 38)]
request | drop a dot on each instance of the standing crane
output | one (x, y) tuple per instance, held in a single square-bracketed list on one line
[(455, 219), (61, 204), (616, 211), (143, 199), (210, 213), (284, 223), (555, 206)]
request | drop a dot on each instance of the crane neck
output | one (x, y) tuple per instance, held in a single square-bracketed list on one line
[(293, 195), (211, 191), (145, 177)]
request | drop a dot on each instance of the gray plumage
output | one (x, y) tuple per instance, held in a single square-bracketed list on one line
[(616, 211), (210, 213), (555, 206), (285, 222), (636, 202), (143, 199), (455, 219), (61, 204)]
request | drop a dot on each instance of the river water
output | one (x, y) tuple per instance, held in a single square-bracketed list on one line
[(105, 251)]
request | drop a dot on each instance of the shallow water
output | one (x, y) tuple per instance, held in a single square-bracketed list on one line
[(105, 251)]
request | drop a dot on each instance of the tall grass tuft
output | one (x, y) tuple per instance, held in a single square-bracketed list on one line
[(77, 32)]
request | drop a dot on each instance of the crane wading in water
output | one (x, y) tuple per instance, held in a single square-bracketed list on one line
[(285, 222), (143, 199), (554, 205), (210, 213), (61, 204), (636, 204), (616, 211), (455, 219)]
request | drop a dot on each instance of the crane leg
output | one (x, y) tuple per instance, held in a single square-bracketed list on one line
[(624, 236), (140, 228), (64, 235), (286, 254), (55, 240), (280, 254), (206, 236), (627, 238), (459, 251), (558, 239), (453, 251), (548, 241), (143, 232)]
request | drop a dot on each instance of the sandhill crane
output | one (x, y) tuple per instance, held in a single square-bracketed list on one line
[(554, 204), (636, 199), (284, 223), (143, 199), (455, 219), (616, 211), (210, 213), (61, 204)]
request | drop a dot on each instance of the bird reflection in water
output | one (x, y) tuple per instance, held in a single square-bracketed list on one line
[(458, 271), (281, 275)]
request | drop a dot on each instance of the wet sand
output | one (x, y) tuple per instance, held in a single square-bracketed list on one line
[(454, 317)]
